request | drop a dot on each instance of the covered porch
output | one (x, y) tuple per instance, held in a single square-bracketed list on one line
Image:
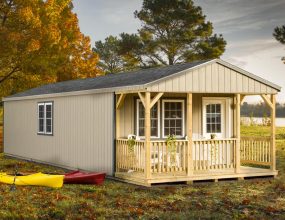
[(208, 145)]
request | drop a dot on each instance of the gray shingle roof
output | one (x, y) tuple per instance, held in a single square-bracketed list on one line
[(140, 77), (135, 78)]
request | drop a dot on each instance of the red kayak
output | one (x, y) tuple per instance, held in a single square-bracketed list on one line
[(78, 177)]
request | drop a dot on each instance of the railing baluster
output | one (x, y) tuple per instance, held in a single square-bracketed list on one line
[(184, 156)]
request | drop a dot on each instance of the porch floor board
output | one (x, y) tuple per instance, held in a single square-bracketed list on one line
[(138, 178)]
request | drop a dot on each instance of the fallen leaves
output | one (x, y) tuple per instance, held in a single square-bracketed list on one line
[(249, 199)]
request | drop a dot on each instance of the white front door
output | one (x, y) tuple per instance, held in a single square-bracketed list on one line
[(216, 117)]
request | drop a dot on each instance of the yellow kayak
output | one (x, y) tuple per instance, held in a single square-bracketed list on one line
[(37, 179)]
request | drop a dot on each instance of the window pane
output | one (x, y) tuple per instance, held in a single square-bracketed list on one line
[(218, 128), (141, 123), (48, 129), (166, 123), (172, 123), (166, 131), (178, 132), (172, 131), (41, 125), (41, 107), (48, 122), (48, 114), (208, 109), (154, 132), (179, 123), (41, 114), (166, 105), (218, 118), (179, 114), (48, 108), (167, 114), (208, 128), (218, 108), (208, 119)]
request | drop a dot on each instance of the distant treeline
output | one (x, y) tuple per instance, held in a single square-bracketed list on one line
[(261, 110)]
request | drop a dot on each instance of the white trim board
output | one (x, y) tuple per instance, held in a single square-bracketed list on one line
[(226, 117)]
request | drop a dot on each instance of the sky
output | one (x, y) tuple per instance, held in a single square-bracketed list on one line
[(247, 27)]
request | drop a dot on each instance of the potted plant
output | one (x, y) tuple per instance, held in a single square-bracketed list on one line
[(171, 148), (214, 149), (131, 151)]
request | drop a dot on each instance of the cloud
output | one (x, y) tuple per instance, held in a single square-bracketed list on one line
[(252, 47), (239, 15)]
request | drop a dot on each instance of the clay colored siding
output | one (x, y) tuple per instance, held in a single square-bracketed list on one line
[(83, 135), (211, 78)]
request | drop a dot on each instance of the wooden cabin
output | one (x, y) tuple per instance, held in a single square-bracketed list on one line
[(178, 123)]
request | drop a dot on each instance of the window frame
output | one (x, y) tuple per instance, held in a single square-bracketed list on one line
[(182, 116), (137, 119), (44, 132), (224, 116)]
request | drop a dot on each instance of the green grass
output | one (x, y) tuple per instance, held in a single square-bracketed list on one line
[(249, 199)]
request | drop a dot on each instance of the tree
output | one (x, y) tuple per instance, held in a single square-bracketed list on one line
[(173, 31), (110, 59), (40, 41), (119, 53), (279, 34)]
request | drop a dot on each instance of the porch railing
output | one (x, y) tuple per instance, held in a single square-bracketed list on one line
[(217, 154), (214, 154), (207, 155), (168, 159), (256, 150), (130, 158)]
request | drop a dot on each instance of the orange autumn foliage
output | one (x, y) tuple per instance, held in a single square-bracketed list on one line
[(41, 42)]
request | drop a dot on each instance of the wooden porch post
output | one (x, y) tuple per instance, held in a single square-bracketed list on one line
[(119, 102), (117, 122), (189, 135), (273, 149), (147, 135), (237, 133), (272, 104)]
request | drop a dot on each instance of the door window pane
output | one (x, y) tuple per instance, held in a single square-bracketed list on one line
[(213, 118)]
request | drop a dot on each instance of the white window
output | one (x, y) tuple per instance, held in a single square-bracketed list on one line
[(154, 119), (173, 118), (213, 118), (45, 118)]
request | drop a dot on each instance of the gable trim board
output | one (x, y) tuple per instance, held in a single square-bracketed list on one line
[(225, 64), (197, 69)]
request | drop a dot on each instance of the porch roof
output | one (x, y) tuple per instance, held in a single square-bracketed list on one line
[(141, 78)]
